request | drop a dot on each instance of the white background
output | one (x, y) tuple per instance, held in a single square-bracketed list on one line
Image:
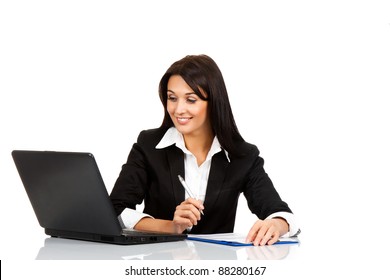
[(308, 83)]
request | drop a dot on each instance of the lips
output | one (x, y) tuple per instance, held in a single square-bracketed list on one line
[(183, 120)]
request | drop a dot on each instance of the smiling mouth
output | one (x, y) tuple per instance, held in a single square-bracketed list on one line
[(182, 120)]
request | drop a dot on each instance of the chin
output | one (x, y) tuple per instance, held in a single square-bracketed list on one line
[(184, 129)]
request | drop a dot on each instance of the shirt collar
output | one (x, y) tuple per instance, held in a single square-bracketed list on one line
[(173, 136)]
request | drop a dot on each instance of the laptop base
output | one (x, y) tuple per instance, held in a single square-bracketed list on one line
[(124, 239)]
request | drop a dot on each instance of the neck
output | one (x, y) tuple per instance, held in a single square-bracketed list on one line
[(199, 146)]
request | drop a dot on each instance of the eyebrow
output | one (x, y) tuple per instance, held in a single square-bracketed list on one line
[(188, 93)]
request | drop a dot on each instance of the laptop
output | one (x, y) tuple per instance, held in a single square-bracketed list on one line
[(70, 200)]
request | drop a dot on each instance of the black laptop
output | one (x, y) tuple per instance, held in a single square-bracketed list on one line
[(70, 199)]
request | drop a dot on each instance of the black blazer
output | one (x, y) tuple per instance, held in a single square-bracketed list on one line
[(150, 175)]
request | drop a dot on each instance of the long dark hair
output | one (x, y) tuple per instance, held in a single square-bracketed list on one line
[(201, 72)]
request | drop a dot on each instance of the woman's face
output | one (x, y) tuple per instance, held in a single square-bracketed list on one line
[(187, 111)]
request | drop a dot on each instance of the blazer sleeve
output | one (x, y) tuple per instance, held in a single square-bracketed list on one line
[(262, 197), (130, 187)]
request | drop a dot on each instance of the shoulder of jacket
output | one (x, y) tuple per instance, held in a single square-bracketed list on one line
[(151, 136), (247, 150)]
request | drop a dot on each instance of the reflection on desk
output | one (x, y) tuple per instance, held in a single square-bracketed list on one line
[(67, 249)]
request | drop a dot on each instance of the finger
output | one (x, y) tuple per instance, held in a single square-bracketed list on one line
[(181, 222), (253, 231), (272, 235), (267, 236), (260, 235), (197, 203), (187, 214), (274, 238), (189, 207)]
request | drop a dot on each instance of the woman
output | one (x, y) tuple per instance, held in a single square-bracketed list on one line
[(199, 141)]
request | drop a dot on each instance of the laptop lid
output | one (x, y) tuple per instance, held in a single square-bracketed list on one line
[(67, 191), (70, 200)]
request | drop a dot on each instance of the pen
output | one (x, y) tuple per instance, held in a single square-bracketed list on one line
[(187, 189)]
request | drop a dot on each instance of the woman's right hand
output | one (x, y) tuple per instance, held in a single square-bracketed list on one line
[(187, 214)]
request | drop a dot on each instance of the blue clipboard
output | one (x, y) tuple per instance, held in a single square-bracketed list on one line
[(239, 244)]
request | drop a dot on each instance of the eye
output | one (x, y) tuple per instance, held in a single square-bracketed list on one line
[(191, 100), (172, 98)]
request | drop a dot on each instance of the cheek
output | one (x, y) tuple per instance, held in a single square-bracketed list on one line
[(170, 108), (203, 112)]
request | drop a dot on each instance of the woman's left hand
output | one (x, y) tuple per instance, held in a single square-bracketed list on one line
[(267, 232)]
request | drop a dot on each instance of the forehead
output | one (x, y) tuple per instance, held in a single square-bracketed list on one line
[(177, 84)]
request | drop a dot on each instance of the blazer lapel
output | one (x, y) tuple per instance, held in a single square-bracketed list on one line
[(217, 174), (176, 164)]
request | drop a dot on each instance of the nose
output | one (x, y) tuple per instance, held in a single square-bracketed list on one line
[(181, 107)]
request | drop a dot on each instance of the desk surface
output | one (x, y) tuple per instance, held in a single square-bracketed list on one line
[(66, 249)]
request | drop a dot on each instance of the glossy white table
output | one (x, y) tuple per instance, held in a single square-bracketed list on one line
[(67, 249)]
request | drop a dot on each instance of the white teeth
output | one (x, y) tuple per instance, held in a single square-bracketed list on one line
[(183, 120)]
